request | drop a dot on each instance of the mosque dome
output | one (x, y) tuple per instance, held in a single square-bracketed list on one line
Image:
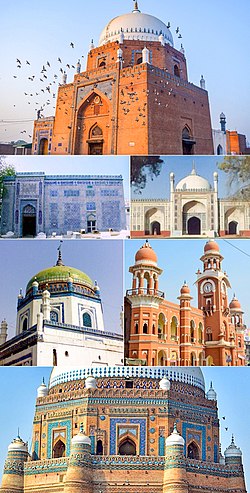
[(62, 273), (187, 375), (136, 26), (232, 451), (81, 439), (211, 246), (185, 289), (18, 445), (175, 438), (235, 304), (146, 254), (211, 394), (193, 182)]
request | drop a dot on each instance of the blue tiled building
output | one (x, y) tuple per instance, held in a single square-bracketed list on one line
[(36, 203)]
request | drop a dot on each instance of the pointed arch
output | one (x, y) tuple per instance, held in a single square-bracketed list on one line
[(127, 447), (59, 449), (193, 451)]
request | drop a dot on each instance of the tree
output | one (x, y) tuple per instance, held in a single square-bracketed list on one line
[(238, 170), (5, 170), (141, 168)]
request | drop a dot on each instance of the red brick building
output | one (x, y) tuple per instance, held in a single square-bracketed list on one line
[(160, 332), (133, 98)]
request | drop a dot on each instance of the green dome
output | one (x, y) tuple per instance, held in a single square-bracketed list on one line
[(60, 273)]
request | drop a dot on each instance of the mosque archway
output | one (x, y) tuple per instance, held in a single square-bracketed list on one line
[(59, 449), (162, 358), (95, 141), (99, 447), (29, 221), (155, 228), (219, 150), (93, 119), (233, 228), (194, 226), (127, 447), (43, 147)]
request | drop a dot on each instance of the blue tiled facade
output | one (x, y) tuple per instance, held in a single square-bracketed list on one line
[(63, 203)]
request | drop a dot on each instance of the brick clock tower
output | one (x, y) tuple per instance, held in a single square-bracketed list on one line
[(135, 89), (222, 337), (160, 332)]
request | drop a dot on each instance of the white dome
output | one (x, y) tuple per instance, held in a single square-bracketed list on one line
[(81, 438), (136, 26), (90, 383), (164, 383), (193, 182), (211, 394), (42, 391), (175, 438), (18, 445), (190, 375), (232, 450)]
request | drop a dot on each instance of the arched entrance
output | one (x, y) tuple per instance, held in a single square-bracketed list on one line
[(193, 451), (127, 447), (219, 150), (59, 450), (187, 142), (95, 141), (194, 226), (155, 228), (29, 221), (233, 228), (43, 147), (91, 223)]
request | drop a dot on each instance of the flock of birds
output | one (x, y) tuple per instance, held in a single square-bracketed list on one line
[(46, 83)]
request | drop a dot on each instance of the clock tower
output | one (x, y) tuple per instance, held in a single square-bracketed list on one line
[(212, 286)]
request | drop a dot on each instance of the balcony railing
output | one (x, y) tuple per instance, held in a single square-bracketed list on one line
[(145, 292)]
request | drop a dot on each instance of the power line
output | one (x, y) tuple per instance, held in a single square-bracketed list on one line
[(237, 248)]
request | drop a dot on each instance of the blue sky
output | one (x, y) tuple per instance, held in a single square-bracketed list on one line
[(19, 385), (79, 165), (182, 166), (102, 260), (215, 36), (179, 260)]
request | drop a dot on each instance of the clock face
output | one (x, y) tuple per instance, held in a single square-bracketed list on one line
[(207, 287)]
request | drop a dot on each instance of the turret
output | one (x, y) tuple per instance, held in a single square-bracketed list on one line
[(64, 78), (46, 304), (79, 473), (223, 122), (42, 390), (175, 475), (3, 332), (145, 55), (78, 67), (202, 83), (233, 454), (13, 474), (211, 394)]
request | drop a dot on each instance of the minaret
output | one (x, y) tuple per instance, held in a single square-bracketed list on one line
[(223, 122), (186, 339), (203, 83), (175, 474), (144, 296), (79, 475), (3, 332), (13, 474)]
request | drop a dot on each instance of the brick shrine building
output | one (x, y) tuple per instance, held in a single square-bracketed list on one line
[(133, 98), (160, 332), (124, 429)]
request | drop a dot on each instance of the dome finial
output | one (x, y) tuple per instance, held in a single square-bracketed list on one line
[(59, 259), (136, 8), (193, 169)]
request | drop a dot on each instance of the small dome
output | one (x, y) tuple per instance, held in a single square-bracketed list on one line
[(146, 254), (185, 289), (136, 26), (235, 304), (90, 383), (232, 450), (164, 383), (42, 390), (193, 182), (81, 438), (211, 246), (211, 394), (175, 438), (18, 445)]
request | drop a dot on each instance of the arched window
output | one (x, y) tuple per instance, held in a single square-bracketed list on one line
[(136, 328), (59, 450), (200, 333), (192, 327), (99, 447), (54, 357), (153, 329), (86, 320), (95, 131), (176, 71), (127, 447), (139, 61), (102, 64), (209, 335), (145, 329), (193, 451), (187, 141), (54, 316), (173, 326), (219, 150), (25, 324)]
